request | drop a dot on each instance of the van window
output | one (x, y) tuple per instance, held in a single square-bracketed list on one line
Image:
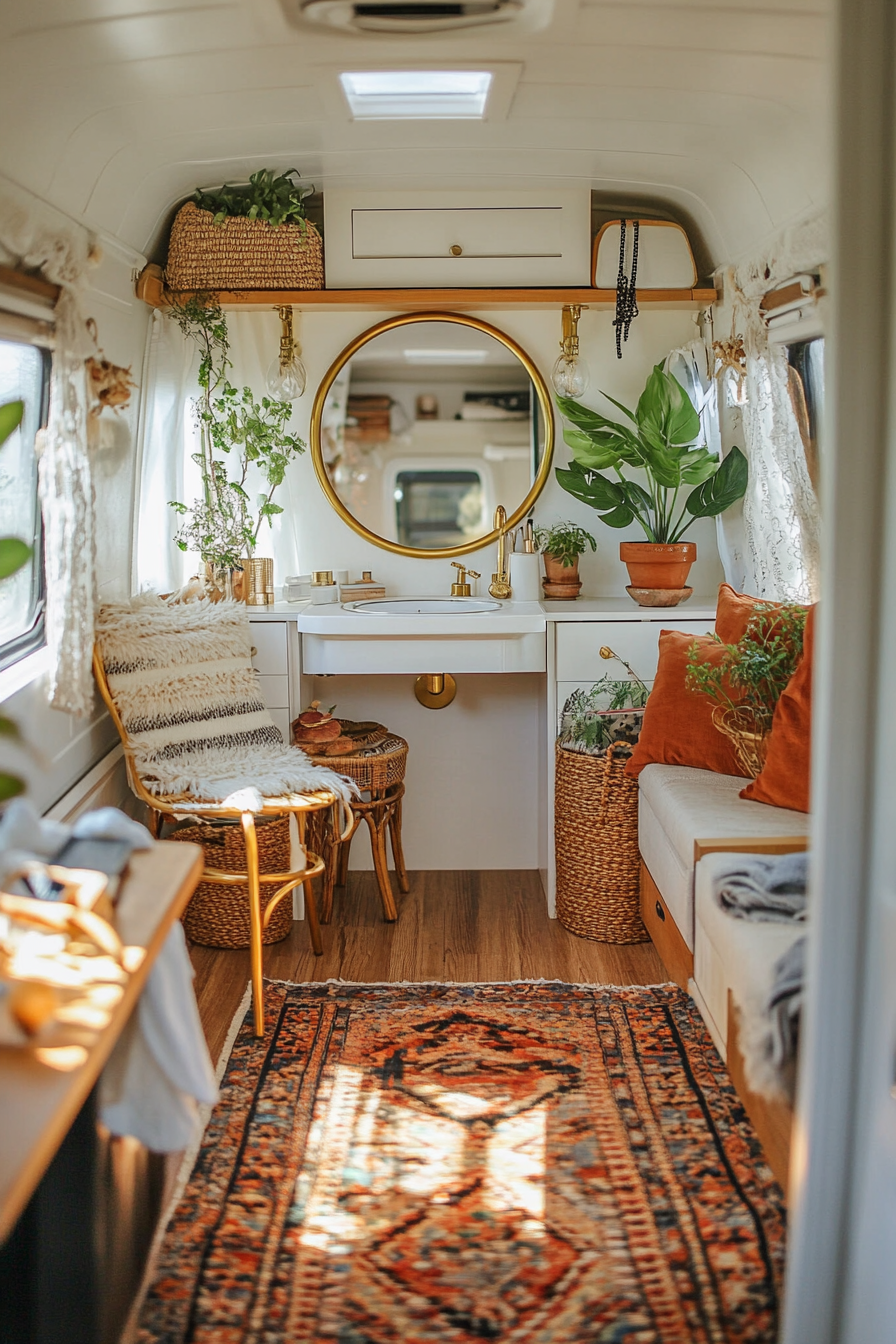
[(24, 375)]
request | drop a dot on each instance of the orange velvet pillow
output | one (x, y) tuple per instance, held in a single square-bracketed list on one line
[(733, 612), (678, 727), (784, 780)]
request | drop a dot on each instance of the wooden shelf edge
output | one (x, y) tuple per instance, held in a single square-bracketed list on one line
[(152, 290)]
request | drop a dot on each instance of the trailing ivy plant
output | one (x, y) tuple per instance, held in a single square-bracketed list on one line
[(564, 542), (661, 441), (273, 197), (752, 674), (238, 435), (14, 553)]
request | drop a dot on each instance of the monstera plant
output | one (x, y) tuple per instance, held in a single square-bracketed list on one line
[(683, 480)]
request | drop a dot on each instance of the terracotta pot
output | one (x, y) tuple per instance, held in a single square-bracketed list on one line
[(652, 564), (561, 582)]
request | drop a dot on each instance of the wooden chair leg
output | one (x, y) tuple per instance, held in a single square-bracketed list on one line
[(376, 820), (343, 849), (255, 925), (329, 852), (401, 872), (311, 916)]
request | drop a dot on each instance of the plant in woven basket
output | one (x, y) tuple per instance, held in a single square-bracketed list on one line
[(747, 681), (273, 197), (609, 713), (223, 526)]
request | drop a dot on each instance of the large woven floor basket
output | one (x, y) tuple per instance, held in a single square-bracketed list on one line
[(596, 842), (241, 253), (218, 914)]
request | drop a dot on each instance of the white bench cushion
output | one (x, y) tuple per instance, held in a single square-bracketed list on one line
[(735, 954), (678, 805)]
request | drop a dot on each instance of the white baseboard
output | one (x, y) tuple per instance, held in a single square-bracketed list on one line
[(93, 789)]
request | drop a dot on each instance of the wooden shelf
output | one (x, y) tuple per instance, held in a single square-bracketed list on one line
[(151, 289)]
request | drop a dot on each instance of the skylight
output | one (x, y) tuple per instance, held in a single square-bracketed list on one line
[(455, 356), (387, 94)]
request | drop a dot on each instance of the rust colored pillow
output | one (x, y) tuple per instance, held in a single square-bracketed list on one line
[(784, 781), (678, 727), (733, 612)]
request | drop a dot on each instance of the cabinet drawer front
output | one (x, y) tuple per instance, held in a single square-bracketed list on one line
[(269, 640), (487, 232), (275, 692), (579, 645)]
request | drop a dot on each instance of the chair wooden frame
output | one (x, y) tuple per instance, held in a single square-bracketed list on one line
[(301, 804)]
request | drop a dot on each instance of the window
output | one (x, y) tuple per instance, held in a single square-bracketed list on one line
[(806, 382), (24, 375)]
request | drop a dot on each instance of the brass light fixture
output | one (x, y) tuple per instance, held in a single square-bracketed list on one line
[(286, 376), (570, 373)]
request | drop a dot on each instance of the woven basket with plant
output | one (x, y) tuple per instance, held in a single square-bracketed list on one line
[(596, 812), (253, 236), (747, 681)]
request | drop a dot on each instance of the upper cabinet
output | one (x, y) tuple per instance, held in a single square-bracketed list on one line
[(464, 240)]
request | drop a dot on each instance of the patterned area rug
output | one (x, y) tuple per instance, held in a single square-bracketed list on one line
[(446, 1164)]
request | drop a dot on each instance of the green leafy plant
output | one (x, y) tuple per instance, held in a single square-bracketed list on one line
[(564, 542), (590, 720), (14, 553), (660, 442), (273, 197), (223, 526), (752, 674)]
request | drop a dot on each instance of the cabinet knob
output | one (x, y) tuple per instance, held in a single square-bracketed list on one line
[(660, 912), (456, 250)]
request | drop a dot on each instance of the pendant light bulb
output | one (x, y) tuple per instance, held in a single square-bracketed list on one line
[(570, 373), (286, 377), (569, 377)]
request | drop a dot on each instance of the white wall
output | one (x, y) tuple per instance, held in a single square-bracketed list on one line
[(65, 748)]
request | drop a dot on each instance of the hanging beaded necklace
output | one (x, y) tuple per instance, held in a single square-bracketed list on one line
[(626, 293)]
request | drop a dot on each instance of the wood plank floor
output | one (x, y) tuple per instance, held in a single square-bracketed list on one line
[(468, 926)]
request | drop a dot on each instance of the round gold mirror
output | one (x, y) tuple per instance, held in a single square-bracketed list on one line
[(423, 425)]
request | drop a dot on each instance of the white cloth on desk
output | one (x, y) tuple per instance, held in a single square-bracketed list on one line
[(160, 1072), (26, 835)]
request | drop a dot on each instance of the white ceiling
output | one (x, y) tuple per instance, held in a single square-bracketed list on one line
[(116, 109)]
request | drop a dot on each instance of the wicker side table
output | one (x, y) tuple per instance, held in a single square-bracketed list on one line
[(378, 770)]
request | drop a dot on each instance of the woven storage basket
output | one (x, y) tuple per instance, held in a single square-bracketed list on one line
[(373, 768), (241, 253), (218, 914), (596, 841)]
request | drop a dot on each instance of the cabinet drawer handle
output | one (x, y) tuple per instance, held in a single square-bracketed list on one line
[(253, 652), (660, 912), (456, 250)]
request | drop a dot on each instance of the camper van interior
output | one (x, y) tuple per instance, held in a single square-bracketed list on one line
[(448, 772)]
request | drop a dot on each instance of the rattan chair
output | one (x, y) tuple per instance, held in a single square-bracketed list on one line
[(181, 805)]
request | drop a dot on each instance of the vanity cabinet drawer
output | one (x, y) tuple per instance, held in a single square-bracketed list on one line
[(456, 239), (579, 644), (275, 692), (269, 641)]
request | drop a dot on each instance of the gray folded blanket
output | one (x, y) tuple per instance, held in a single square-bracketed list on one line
[(764, 887), (785, 1002)]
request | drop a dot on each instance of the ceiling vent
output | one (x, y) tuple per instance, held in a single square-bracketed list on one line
[(417, 17)]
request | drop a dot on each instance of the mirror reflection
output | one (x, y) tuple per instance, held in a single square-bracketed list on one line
[(426, 428)]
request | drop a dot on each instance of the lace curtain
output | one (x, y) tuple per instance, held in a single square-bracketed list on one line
[(34, 235), (780, 511)]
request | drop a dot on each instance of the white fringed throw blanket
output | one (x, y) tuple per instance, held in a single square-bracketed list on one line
[(182, 678)]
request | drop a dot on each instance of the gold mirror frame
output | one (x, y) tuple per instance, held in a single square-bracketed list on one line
[(317, 457)]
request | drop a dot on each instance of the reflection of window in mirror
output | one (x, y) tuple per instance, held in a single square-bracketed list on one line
[(438, 508), (806, 383)]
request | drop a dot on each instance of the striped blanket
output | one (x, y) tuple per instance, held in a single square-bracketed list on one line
[(182, 679)]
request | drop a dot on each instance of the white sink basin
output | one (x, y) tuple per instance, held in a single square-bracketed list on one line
[(422, 606)]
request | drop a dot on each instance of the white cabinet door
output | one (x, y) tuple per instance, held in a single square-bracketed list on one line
[(579, 645), (271, 658)]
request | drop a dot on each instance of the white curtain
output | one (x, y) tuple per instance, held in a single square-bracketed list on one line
[(691, 364), (35, 235), (168, 438), (780, 511)]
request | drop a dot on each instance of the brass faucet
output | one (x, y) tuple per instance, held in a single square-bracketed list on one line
[(500, 584), (462, 588)]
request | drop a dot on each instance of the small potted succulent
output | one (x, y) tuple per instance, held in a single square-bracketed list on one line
[(560, 546), (684, 481)]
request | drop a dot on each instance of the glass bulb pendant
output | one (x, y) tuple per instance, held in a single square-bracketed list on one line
[(569, 376), (287, 381)]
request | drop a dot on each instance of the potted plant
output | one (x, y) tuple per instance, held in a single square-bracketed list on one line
[(661, 441), (561, 546), (222, 526), (747, 681), (251, 236)]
